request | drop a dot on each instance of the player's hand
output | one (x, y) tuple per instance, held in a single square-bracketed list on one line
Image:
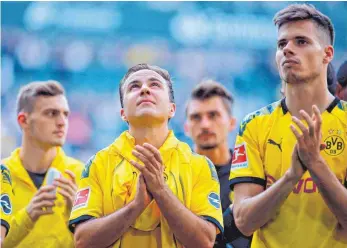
[(309, 140), (42, 202), (152, 168), (142, 197), (68, 188), (297, 169)]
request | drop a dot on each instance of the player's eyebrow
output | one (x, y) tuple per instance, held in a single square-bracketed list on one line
[(153, 79)]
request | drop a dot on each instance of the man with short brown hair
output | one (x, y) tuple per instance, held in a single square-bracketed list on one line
[(289, 188), (39, 215), (209, 120), (147, 189)]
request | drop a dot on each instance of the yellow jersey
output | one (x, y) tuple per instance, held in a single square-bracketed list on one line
[(6, 197), (109, 182), (262, 155), (49, 230)]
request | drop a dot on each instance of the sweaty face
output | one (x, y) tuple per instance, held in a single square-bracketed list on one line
[(48, 122), (208, 122), (300, 52), (146, 98)]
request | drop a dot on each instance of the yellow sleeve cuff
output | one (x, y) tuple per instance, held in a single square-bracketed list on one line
[(23, 217)]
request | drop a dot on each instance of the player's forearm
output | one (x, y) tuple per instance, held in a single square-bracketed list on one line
[(246, 211), (331, 189), (21, 224), (103, 232), (190, 230)]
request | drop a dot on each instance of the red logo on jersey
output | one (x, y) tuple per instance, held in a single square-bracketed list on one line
[(81, 198), (239, 155)]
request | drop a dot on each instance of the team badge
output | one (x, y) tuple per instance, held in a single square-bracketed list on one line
[(5, 202), (239, 157), (214, 200), (334, 145), (81, 198)]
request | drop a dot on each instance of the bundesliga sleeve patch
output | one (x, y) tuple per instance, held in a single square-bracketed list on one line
[(81, 198), (239, 157)]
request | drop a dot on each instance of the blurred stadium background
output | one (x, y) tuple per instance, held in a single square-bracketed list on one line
[(88, 46)]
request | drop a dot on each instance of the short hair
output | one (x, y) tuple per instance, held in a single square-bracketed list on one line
[(297, 12), (342, 75), (29, 93), (209, 88), (162, 72)]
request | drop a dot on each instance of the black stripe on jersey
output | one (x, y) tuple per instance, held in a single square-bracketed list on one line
[(73, 223), (5, 224), (214, 221), (255, 180), (333, 104), (329, 109), (284, 106)]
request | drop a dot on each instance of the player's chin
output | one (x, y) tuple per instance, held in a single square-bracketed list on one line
[(58, 142)]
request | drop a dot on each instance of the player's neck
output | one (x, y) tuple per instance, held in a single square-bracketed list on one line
[(154, 135), (36, 158), (219, 155), (303, 96)]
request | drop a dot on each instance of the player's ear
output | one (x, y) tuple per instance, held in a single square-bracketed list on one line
[(122, 115), (172, 110), (186, 129), (328, 54), (232, 123), (22, 119)]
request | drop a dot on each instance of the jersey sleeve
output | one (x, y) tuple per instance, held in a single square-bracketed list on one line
[(247, 165), (88, 202), (6, 197), (206, 193)]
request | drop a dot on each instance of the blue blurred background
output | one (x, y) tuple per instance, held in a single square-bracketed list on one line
[(88, 46)]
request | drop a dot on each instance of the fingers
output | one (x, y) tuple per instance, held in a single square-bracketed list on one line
[(66, 186), (148, 154), (141, 168), (71, 175), (144, 159), (155, 151), (297, 134), (44, 196), (46, 188), (318, 118), (45, 204), (309, 123)]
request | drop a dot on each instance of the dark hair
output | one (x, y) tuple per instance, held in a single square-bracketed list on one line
[(209, 88), (297, 12), (342, 75), (162, 72), (29, 93)]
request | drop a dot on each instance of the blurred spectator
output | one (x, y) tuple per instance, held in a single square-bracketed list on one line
[(341, 89)]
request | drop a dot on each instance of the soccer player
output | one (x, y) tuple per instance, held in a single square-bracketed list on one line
[(40, 216), (341, 89), (147, 189), (209, 121), (6, 199), (289, 188)]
